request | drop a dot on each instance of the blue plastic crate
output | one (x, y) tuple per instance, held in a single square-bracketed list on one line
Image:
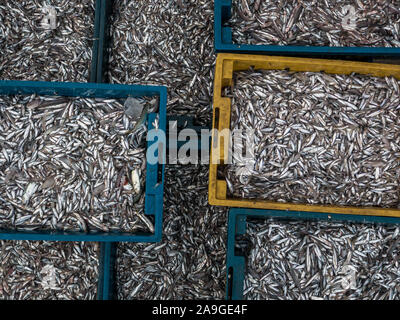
[(154, 172), (237, 226), (106, 286), (96, 55), (223, 41), (187, 122)]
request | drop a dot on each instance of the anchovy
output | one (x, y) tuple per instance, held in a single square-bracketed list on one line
[(31, 52), (348, 23), (318, 138), (189, 262), (301, 260), (43, 270), (67, 165), (171, 43)]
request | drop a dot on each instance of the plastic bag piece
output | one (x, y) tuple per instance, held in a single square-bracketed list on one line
[(29, 191), (133, 108), (49, 21), (349, 21), (137, 110), (349, 279)]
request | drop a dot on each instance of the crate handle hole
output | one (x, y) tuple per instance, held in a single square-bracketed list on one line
[(216, 123)]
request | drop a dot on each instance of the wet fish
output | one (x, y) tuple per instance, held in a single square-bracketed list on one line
[(30, 52), (301, 260), (66, 164), (350, 23), (163, 42), (318, 138), (28, 267)]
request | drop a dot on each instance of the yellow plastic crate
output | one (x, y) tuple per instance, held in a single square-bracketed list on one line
[(229, 63)]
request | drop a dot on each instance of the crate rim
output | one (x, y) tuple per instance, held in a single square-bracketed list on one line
[(226, 65)]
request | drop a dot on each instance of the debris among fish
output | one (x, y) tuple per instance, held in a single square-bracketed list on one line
[(49, 280), (189, 262), (169, 43), (318, 138), (31, 50), (49, 21), (338, 23), (133, 108), (321, 260), (43, 270), (71, 164)]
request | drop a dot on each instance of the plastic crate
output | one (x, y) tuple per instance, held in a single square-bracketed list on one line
[(106, 286), (154, 172), (103, 12), (226, 65), (237, 226), (223, 41), (96, 41), (106, 271)]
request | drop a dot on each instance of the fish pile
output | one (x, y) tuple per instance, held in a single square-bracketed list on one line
[(30, 50), (72, 163), (169, 43), (189, 262), (318, 138), (321, 260), (348, 23), (42, 270)]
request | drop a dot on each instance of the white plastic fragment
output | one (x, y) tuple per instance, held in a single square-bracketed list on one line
[(49, 21), (349, 279), (49, 280), (349, 20), (133, 108)]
